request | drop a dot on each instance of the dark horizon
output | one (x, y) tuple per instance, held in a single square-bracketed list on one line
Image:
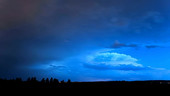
[(66, 80), (55, 83)]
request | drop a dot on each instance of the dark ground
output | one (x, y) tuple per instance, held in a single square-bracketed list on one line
[(54, 83)]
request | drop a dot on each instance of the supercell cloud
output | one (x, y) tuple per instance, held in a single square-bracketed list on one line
[(113, 61)]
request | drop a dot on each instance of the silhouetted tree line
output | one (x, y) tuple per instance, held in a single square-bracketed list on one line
[(34, 83), (44, 80), (55, 83)]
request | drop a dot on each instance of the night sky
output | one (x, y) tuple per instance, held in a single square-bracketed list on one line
[(85, 40)]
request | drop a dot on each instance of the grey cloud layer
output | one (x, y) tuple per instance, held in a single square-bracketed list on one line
[(117, 44)]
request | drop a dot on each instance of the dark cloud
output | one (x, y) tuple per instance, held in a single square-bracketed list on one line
[(152, 46), (18, 11), (117, 44), (34, 31), (46, 66)]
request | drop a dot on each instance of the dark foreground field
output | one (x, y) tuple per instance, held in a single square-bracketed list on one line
[(54, 83)]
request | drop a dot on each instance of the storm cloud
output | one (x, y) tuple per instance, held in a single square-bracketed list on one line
[(113, 61), (33, 31)]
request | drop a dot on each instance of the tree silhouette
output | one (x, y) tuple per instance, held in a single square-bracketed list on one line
[(56, 81), (69, 81), (51, 81), (29, 79), (47, 81), (18, 79), (43, 81), (62, 81), (33, 79)]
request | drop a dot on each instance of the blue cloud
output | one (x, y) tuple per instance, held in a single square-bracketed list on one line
[(113, 61), (121, 67), (46, 65)]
